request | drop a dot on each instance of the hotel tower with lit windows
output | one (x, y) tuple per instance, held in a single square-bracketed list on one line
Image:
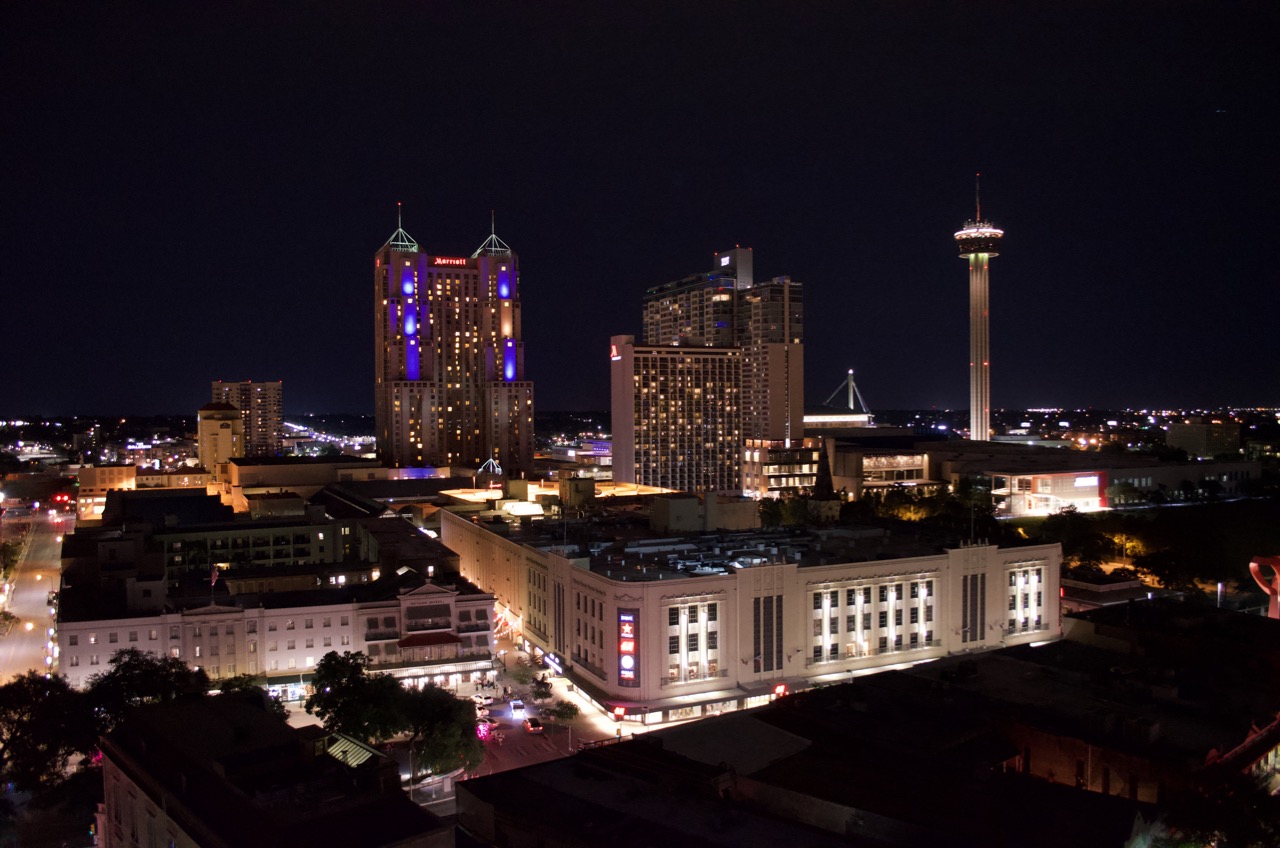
[(979, 242), (713, 400), (449, 387)]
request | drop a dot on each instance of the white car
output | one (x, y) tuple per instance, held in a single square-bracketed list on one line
[(481, 711), (482, 700), (517, 709)]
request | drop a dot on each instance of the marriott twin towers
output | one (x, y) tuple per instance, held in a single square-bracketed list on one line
[(449, 381)]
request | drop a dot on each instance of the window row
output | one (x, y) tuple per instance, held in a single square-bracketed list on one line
[(912, 641), (884, 593), (692, 641)]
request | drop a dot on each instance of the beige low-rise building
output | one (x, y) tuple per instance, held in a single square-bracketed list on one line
[(669, 628)]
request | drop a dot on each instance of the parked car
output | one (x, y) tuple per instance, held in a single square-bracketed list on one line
[(482, 700), (489, 720), (533, 725), (481, 711), (517, 709)]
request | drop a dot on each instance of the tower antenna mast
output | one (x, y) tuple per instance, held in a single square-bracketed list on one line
[(977, 194)]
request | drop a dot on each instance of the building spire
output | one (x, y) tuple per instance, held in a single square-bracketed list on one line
[(977, 194), (400, 240), (493, 246)]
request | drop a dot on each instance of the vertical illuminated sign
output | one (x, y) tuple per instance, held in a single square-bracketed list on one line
[(509, 360), (628, 648), (410, 325), (504, 283)]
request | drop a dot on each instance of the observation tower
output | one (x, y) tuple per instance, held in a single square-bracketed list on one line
[(979, 242)]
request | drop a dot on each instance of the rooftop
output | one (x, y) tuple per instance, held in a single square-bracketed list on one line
[(620, 546), (247, 778)]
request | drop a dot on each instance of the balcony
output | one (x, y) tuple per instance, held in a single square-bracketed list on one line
[(381, 635), (418, 625)]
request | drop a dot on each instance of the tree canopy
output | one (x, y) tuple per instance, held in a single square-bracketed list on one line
[(136, 677), (348, 699), (249, 683), (43, 724), (442, 730), (563, 710), (351, 700), (540, 691)]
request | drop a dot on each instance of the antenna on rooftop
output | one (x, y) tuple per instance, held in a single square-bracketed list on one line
[(977, 194)]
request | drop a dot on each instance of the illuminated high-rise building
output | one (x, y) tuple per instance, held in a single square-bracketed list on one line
[(979, 242), (762, 322), (260, 407), (677, 415), (219, 437), (449, 379)]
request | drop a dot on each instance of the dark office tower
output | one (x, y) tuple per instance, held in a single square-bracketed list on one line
[(260, 407), (449, 380), (979, 242)]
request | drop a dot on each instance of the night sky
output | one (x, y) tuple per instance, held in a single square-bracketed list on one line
[(195, 191)]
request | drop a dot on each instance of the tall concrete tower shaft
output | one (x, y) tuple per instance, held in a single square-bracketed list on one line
[(979, 242)]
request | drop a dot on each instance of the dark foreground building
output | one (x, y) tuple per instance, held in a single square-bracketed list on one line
[(1155, 718), (222, 771)]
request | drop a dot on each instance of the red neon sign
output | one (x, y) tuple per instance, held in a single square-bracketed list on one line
[(619, 711), (627, 646), (626, 629), (447, 260)]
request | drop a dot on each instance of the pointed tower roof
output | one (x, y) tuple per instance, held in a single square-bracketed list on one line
[(493, 246), (400, 240)]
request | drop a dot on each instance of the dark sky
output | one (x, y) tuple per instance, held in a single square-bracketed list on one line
[(194, 191)]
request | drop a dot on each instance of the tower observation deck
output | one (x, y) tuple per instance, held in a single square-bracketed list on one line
[(978, 242)]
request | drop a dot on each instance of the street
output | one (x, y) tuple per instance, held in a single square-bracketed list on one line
[(24, 646)]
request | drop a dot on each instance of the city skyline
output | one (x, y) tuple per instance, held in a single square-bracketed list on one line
[(249, 164)]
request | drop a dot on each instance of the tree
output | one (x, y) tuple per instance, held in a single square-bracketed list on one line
[(541, 691), (349, 700), (563, 710), (1080, 536), (795, 510), (249, 683), (770, 512), (43, 723), (442, 731), (137, 678), (521, 674), (1170, 567)]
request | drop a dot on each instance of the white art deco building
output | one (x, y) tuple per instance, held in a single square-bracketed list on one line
[(673, 628)]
